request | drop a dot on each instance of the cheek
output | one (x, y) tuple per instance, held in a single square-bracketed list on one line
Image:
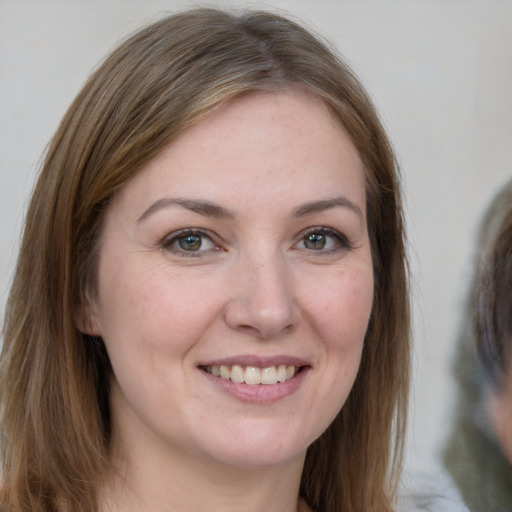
[(500, 411), (339, 312), (149, 307), (342, 308)]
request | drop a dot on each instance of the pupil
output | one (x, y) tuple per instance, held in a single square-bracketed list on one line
[(315, 241), (190, 243)]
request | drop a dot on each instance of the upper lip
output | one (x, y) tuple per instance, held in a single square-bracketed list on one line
[(257, 361)]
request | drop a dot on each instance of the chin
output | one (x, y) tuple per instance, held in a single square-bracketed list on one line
[(256, 457), (259, 446)]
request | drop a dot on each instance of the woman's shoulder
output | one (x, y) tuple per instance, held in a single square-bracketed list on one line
[(422, 492)]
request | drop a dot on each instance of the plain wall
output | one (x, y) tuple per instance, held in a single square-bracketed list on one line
[(440, 73)]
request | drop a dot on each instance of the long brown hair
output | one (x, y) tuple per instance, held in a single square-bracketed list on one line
[(54, 387)]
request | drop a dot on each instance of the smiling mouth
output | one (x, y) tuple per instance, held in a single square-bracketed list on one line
[(253, 375)]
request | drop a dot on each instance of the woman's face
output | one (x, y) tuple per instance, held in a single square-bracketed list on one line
[(239, 255)]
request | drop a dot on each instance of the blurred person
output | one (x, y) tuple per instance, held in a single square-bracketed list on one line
[(478, 454)]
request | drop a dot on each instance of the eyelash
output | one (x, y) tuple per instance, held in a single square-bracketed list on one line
[(341, 243)]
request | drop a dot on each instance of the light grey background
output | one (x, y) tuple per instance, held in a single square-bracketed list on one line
[(439, 71)]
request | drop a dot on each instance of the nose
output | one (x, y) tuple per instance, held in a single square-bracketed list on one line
[(262, 301)]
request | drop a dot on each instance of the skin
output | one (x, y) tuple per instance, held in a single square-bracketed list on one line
[(265, 281), (500, 412)]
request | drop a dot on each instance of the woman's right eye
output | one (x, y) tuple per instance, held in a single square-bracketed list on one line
[(189, 243)]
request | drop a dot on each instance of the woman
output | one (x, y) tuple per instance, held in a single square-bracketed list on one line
[(479, 451), (210, 303)]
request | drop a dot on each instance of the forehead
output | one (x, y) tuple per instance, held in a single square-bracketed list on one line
[(264, 144)]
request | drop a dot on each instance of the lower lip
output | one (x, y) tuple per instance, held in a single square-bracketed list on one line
[(259, 393)]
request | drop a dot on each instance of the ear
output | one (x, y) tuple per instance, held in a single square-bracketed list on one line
[(86, 319)]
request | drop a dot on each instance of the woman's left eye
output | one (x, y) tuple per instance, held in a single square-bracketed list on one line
[(323, 239), (189, 242)]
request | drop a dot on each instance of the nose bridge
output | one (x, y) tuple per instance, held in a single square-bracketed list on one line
[(263, 301)]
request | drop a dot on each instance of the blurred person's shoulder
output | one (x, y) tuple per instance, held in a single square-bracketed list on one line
[(427, 492)]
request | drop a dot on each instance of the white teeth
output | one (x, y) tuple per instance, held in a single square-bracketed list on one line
[(237, 373), (225, 372), (269, 375), (281, 373), (252, 375)]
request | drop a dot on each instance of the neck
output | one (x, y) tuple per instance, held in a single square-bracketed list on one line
[(166, 481)]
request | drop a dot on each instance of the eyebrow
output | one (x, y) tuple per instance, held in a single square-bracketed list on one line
[(206, 208), (209, 209), (326, 204)]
